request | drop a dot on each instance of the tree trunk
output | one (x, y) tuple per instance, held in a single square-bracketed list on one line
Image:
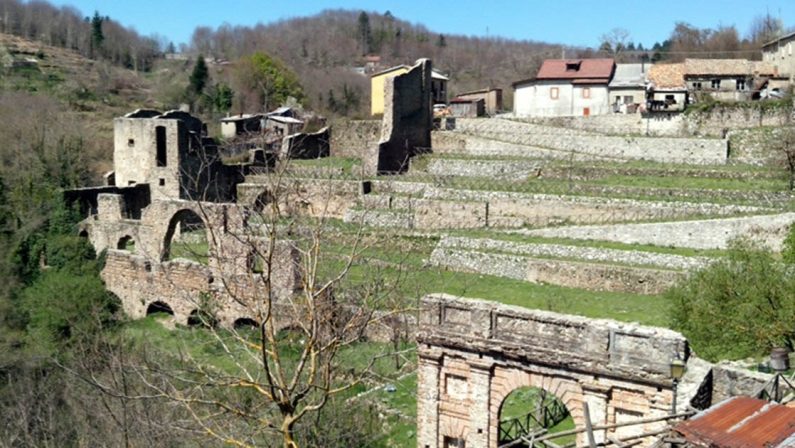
[(287, 432)]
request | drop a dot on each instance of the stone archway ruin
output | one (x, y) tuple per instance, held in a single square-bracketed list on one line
[(180, 222), (473, 354)]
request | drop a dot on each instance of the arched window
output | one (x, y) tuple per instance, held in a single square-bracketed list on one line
[(126, 243), (245, 322)]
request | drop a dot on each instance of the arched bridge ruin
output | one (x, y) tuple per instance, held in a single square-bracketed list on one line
[(473, 354)]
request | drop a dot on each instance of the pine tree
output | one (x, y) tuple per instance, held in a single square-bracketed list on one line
[(365, 34), (198, 78), (441, 42), (97, 37)]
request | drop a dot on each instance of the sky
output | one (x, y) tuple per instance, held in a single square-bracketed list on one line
[(568, 22)]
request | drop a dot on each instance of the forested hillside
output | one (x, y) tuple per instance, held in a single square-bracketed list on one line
[(324, 48)]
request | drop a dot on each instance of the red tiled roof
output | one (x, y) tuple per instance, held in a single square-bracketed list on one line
[(741, 422), (601, 69)]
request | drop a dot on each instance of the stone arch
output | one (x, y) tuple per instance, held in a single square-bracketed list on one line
[(159, 306), (184, 220), (126, 242), (83, 234), (506, 381)]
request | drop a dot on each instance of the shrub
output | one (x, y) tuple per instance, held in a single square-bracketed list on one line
[(740, 306)]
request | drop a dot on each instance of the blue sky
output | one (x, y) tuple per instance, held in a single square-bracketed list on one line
[(570, 22)]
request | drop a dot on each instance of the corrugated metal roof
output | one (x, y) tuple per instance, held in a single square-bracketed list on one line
[(741, 422), (576, 69)]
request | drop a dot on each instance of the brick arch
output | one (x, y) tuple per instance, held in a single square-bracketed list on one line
[(506, 380)]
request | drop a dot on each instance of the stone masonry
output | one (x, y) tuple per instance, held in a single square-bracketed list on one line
[(473, 354)]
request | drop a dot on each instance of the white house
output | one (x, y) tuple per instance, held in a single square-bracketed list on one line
[(566, 87)]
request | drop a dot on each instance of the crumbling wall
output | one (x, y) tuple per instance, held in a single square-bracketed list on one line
[(306, 145), (355, 138), (407, 122)]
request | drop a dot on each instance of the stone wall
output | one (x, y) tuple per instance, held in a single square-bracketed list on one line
[(587, 268), (761, 146), (625, 148), (769, 230), (729, 381), (355, 138), (474, 353), (407, 122), (712, 123), (328, 198)]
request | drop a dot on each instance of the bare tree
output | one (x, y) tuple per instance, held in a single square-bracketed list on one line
[(315, 304)]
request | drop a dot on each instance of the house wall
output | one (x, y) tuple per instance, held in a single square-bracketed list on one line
[(617, 95), (679, 97), (377, 90), (782, 56), (537, 99), (492, 98), (728, 90)]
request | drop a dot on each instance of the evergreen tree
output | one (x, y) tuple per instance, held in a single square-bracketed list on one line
[(365, 34), (97, 37), (441, 42), (199, 76)]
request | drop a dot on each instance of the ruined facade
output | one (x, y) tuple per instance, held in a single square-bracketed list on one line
[(170, 179), (473, 354)]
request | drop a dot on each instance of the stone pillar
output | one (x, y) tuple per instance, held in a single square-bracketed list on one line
[(479, 404), (597, 397), (428, 373)]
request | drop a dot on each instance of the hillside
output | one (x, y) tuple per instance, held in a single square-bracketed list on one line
[(323, 49)]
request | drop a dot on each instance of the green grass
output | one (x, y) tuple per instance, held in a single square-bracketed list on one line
[(400, 424), (348, 165)]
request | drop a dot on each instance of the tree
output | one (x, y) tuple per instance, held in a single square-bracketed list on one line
[(739, 306), (97, 36), (264, 81), (364, 33), (614, 42), (198, 77), (765, 28), (441, 42)]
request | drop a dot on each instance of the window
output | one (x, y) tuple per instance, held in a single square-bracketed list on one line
[(741, 84), (586, 92), (160, 143), (697, 85), (130, 142), (554, 93), (162, 182), (572, 66), (716, 84), (618, 99), (453, 442), (629, 99)]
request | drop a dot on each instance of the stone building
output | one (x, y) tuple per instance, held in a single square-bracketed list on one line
[(628, 87), (779, 53), (378, 86), (171, 153), (726, 79), (565, 87), (492, 99), (667, 91)]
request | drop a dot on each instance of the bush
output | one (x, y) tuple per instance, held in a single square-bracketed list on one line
[(740, 306)]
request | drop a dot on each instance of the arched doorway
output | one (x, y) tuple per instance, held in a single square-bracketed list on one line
[(532, 410), (126, 243), (159, 307), (186, 237)]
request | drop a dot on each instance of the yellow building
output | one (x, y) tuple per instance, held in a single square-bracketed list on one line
[(377, 81)]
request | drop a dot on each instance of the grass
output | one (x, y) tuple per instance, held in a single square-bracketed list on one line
[(348, 166)]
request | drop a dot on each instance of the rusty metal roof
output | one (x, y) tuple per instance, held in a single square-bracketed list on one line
[(741, 422)]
